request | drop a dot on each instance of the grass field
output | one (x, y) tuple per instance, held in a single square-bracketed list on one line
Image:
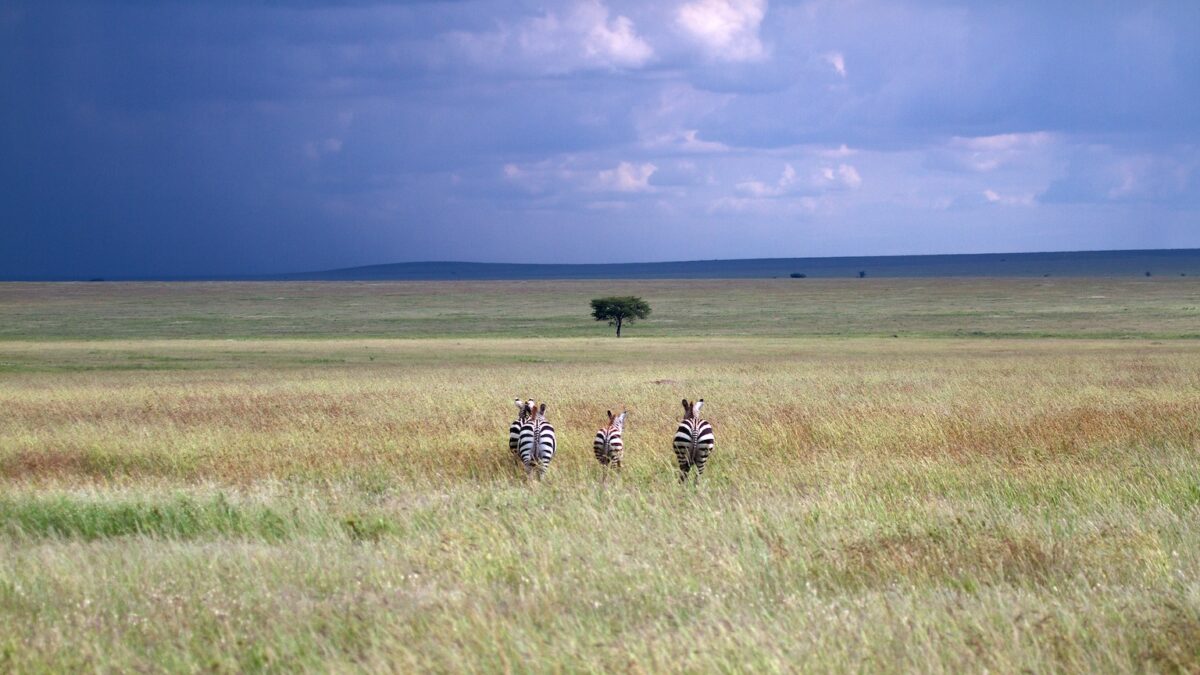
[(1154, 308), (319, 495)]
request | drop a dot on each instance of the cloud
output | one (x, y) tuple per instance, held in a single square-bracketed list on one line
[(824, 179), (685, 140), (844, 176), (994, 197), (569, 177), (479, 117), (760, 190), (768, 207), (581, 38), (726, 29), (1097, 174), (983, 154), (681, 174), (615, 43), (627, 177), (538, 178), (837, 61), (838, 152)]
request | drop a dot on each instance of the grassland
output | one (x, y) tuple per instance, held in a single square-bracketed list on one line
[(1154, 308), (924, 503)]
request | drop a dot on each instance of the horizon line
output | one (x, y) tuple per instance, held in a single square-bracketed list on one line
[(312, 274)]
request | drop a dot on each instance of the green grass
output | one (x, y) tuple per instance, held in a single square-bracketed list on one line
[(1159, 308), (874, 504)]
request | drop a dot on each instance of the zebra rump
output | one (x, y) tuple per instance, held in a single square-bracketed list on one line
[(514, 429), (536, 442), (608, 445), (694, 441)]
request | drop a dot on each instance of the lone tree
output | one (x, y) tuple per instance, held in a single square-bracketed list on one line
[(620, 309)]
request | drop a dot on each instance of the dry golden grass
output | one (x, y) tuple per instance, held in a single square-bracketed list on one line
[(872, 504)]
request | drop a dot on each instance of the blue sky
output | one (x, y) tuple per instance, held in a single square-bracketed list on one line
[(144, 138)]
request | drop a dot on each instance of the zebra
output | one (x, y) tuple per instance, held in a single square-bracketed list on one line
[(536, 442), (693, 441), (608, 446), (514, 429)]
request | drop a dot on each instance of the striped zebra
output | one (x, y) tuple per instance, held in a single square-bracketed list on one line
[(608, 445), (693, 441), (536, 442), (514, 430)]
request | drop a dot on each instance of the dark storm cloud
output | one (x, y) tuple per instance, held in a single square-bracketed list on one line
[(217, 137)]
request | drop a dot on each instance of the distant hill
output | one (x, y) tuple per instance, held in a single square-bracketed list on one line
[(1166, 262)]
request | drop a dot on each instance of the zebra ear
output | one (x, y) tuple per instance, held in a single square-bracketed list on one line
[(686, 407), (520, 406), (610, 417), (696, 407), (542, 410), (620, 419)]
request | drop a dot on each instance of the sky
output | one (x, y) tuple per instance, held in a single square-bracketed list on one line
[(143, 138)]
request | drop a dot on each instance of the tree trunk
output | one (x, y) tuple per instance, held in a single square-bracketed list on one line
[(618, 326)]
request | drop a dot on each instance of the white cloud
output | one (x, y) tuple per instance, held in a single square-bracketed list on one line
[(726, 29), (994, 197), (848, 175), (769, 207), (824, 179), (840, 177), (760, 190), (838, 152), (838, 61), (627, 177), (582, 38), (988, 153), (546, 176), (686, 140), (615, 43)]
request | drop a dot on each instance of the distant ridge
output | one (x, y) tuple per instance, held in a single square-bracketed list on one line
[(1160, 262)]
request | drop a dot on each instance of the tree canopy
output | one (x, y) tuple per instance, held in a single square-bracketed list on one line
[(620, 309)]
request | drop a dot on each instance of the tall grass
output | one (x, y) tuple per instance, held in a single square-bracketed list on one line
[(872, 505)]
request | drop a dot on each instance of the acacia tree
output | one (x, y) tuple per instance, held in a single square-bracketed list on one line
[(617, 310)]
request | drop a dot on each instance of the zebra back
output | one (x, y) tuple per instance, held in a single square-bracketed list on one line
[(514, 429), (608, 445), (694, 440), (536, 442)]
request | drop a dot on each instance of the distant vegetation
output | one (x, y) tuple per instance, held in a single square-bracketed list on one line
[(1069, 264), (620, 310)]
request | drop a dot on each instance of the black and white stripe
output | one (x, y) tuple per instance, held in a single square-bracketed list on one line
[(514, 430), (608, 446), (693, 441), (536, 442)]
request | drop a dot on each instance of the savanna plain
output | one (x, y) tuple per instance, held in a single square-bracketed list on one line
[(909, 476)]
